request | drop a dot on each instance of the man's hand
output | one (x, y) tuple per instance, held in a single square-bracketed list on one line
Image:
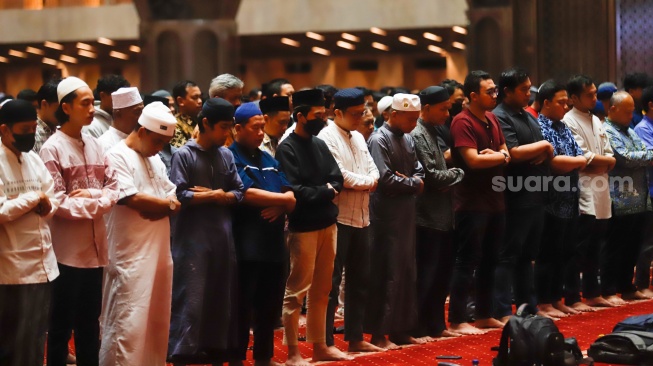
[(375, 186), (506, 156), (421, 185), (80, 193), (272, 213), (44, 206), (331, 187), (291, 201)]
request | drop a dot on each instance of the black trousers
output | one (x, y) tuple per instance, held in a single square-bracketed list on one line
[(620, 252), (76, 305), (584, 257), (352, 254), (515, 265), (24, 313), (643, 270), (260, 297), (435, 258), (552, 261), (478, 237)]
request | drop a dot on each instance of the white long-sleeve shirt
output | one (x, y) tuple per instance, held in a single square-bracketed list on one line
[(590, 135), (26, 253), (358, 170)]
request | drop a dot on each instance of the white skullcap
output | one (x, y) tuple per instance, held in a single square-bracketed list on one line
[(157, 118), (384, 103), (406, 102), (126, 97), (69, 85)]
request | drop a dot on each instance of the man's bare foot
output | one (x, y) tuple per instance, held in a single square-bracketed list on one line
[(426, 339), (636, 295), (647, 292), (383, 342), (504, 320), (465, 329), (560, 305), (295, 358), (549, 311), (323, 353), (488, 323), (615, 300), (266, 363), (599, 302), (447, 334), (405, 339), (362, 346), (579, 306)]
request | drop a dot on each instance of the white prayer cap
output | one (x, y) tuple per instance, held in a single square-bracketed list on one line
[(157, 118), (406, 102), (69, 85), (384, 103), (126, 97)]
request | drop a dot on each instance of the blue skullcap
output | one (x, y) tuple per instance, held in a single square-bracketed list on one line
[(245, 112)]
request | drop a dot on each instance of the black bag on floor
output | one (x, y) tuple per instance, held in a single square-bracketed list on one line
[(643, 323), (627, 348), (528, 339)]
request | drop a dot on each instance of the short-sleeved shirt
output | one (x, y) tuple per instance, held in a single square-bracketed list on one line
[(258, 239), (521, 128), (644, 130), (475, 193)]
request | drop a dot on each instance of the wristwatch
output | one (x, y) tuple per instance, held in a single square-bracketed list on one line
[(505, 156), (173, 205)]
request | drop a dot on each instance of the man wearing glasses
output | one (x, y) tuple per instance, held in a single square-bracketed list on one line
[(360, 178), (479, 148)]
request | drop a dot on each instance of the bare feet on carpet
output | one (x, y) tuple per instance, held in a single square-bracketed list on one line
[(579, 306), (426, 339), (488, 323), (560, 305), (505, 319), (545, 315), (637, 295), (599, 302), (362, 346), (295, 358), (447, 334), (615, 300), (647, 292), (384, 343), (549, 311), (405, 339), (465, 329), (323, 353)]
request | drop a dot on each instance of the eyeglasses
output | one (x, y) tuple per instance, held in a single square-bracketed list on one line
[(493, 92), (357, 114)]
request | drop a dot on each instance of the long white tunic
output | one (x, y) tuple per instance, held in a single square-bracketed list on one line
[(137, 290)]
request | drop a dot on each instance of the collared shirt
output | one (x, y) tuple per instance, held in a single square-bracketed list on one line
[(78, 229), (359, 173), (43, 133), (521, 128), (588, 131), (184, 131), (26, 254), (269, 144), (644, 130), (435, 205), (111, 138), (561, 201), (101, 123), (256, 238), (632, 160)]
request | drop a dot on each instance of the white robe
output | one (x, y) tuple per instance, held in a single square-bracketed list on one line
[(137, 291)]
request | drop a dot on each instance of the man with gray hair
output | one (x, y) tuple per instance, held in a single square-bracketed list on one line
[(227, 87)]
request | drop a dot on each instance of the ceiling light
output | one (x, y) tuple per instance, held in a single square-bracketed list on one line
[(380, 46), (68, 59), (34, 50), (459, 29), (435, 49), (458, 45), (378, 31), (135, 49), (407, 40), (120, 55), (350, 37), (315, 36), (321, 51), (17, 54), (106, 41), (346, 45), (432, 37), (53, 45), (84, 46), (289, 42), (4, 60), (49, 61), (88, 54)]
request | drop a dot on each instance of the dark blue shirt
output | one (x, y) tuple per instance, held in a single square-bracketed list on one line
[(258, 239)]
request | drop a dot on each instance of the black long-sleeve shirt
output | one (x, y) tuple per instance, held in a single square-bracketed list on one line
[(309, 166)]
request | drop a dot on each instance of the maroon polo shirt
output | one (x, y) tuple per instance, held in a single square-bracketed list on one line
[(475, 192)]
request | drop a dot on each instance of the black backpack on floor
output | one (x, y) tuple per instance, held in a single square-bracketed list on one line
[(630, 347), (528, 340)]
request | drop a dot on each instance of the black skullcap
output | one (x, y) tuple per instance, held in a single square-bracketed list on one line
[(349, 97), (275, 104), (433, 95), (218, 109), (153, 98), (310, 97), (17, 110)]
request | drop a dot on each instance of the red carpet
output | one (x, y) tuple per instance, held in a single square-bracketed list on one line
[(585, 327)]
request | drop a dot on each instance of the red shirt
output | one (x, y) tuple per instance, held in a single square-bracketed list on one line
[(532, 111), (475, 193)]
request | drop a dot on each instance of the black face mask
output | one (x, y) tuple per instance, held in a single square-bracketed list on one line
[(24, 142), (314, 126), (455, 109)]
